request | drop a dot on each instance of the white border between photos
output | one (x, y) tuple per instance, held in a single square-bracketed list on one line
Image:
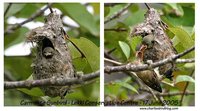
[(100, 108)]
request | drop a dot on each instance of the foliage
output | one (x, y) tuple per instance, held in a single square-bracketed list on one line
[(179, 17), (86, 38)]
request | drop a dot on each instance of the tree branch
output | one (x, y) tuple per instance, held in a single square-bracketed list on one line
[(135, 68), (117, 30), (6, 11), (117, 14), (51, 81), (18, 25), (170, 93)]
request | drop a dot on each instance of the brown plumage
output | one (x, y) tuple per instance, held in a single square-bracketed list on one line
[(161, 46), (149, 77)]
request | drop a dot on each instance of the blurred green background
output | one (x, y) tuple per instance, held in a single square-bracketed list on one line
[(84, 32), (180, 17)]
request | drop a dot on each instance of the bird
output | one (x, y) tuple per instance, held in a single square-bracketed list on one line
[(155, 52), (48, 52), (159, 45), (149, 77)]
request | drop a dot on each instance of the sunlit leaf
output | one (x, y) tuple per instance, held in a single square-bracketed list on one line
[(14, 9), (32, 92), (17, 37), (90, 50), (184, 78), (183, 37), (177, 9), (126, 85), (125, 48), (79, 13)]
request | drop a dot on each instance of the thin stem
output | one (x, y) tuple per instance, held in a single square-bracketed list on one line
[(117, 14), (51, 81), (147, 5), (6, 11), (135, 68), (35, 15)]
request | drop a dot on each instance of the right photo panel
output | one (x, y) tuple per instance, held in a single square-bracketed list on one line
[(149, 54)]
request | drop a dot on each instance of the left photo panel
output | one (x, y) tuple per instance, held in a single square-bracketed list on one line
[(51, 54)]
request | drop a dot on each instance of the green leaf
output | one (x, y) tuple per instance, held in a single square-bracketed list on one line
[(15, 38), (79, 63), (189, 65), (176, 8), (188, 19), (30, 9), (114, 9), (125, 48), (126, 85), (183, 78), (18, 66), (106, 11), (134, 8), (135, 18), (183, 37), (14, 9), (90, 50), (134, 42), (37, 92), (96, 7), (79, 13)]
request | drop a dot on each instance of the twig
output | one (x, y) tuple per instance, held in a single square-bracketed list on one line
[(132, 73), (51, 81), (147, 5), (153, 94), (135, 68), (171, 93), (18, 25), (51, 10), (178, 61), (176, 93), (6, 11), (117, 30), (161, 99), (111, 4), (119, 13), (184, 90)]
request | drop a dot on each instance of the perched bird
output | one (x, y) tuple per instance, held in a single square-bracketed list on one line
[(53, 58), (148, 41), (149, 77), (159, 46)]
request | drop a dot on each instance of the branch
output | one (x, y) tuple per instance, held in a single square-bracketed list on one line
[(117, 30), (51, 81), (119, 13), (175, 93), (111, 4), (179, 61), (135, 68), (171, 93), (6, 11), (18, 25)]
